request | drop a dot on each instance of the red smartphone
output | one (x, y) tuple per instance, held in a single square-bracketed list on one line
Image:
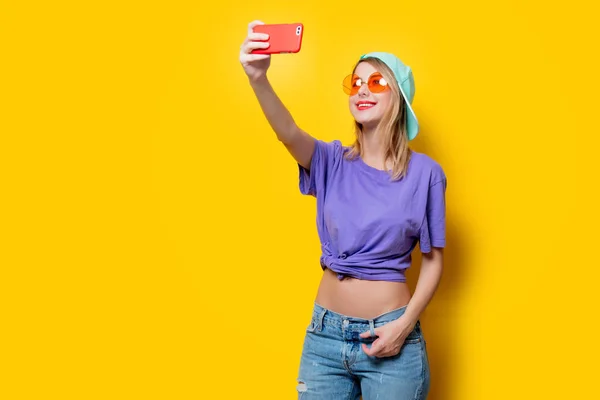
[(283, 38)]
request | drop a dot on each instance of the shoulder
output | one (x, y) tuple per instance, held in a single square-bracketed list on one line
[(427, 168), (331, 149), (334, 145)]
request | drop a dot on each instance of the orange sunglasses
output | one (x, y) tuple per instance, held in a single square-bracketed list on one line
[(376, 84)]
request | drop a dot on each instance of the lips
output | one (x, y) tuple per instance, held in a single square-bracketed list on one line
[(365, 105)]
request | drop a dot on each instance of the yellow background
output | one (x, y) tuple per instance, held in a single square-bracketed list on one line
[(154, 242)]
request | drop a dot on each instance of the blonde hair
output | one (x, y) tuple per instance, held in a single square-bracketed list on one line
[(392, 126)]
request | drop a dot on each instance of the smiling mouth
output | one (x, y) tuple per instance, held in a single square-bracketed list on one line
[(364, 105)]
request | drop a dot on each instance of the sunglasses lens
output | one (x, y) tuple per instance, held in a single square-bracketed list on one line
[(377, 83), (351, 84)]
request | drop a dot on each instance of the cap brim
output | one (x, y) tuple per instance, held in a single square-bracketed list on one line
[(412, 124)]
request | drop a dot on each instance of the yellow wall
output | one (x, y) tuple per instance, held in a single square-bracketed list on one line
[(155, 245)]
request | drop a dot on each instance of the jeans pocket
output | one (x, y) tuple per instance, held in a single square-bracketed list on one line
[(412, 340), (312, 327), (415, 336)]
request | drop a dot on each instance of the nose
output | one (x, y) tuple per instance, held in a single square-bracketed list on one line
[(363, 90)]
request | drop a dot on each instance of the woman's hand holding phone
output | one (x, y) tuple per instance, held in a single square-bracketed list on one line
[(255, 65), (255, 57)]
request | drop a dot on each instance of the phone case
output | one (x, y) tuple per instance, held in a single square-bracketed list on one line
[(283, 38)]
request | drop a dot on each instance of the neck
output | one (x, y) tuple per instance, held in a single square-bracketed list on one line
[(373, 148)]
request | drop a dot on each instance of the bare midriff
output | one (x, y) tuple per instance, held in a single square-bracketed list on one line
[(360, 298)]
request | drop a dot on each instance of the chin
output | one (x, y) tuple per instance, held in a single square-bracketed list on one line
[(366, 117), (367, 121)]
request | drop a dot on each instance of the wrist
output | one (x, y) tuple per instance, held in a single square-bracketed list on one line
[(410, 317), (259, 82)]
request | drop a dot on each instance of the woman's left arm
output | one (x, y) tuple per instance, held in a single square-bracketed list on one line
[(391, 336), (429, 279)]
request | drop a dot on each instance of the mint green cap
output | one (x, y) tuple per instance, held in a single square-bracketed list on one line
[(406, 81)]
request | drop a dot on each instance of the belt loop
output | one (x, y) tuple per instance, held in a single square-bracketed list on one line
[(320, 320), (372, 328)]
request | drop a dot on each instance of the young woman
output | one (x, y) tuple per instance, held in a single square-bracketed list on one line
[(376, 200)]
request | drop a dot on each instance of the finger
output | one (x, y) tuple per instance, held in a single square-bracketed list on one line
[(246, 53), (252, 24), (248, 47), (375, 349), (257, 36), (366, 350), (367, 334), (248, 58)]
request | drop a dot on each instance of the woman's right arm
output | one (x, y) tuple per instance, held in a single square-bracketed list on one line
[(299, 143)]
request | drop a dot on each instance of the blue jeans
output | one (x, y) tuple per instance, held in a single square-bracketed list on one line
[(333, 365)]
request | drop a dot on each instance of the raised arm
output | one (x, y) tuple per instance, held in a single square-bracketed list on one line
[(299, 143)]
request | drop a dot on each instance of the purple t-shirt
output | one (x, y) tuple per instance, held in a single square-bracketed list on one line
[(368, 224)]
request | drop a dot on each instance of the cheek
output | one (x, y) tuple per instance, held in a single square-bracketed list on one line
[(385, 101), (352, 104)]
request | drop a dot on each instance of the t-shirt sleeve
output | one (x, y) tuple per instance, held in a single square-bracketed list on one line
[(313, 181), (433, 228)]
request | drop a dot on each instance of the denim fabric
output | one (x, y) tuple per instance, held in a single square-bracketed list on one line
[(333, 365)]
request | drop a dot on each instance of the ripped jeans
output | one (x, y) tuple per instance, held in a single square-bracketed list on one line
[(334, 366)]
